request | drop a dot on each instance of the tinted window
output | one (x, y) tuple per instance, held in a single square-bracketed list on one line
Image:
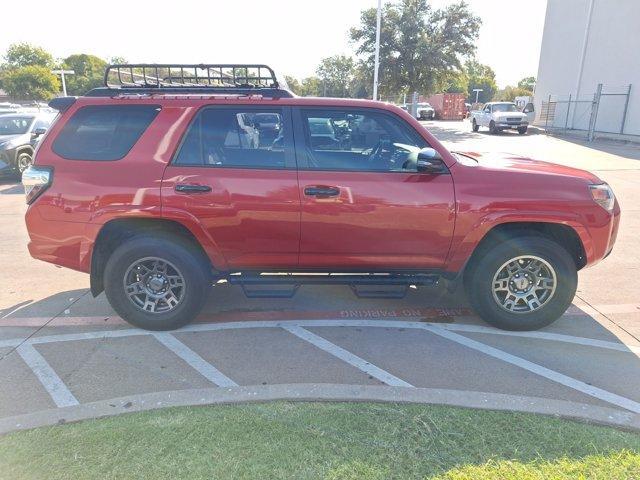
[(105, 132), (360, 140), (242, 137), (14, 125)]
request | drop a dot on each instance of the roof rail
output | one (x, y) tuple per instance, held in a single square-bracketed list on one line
[(149, 78)]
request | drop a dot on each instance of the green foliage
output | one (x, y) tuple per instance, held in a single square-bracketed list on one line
[(480, 76), (308, 87), (24, 55), (419, 46), (89, 73), (527, 83), (509, 93), (31, 82), (336, 74)]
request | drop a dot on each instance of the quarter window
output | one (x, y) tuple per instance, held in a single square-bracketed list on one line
[(359, 140), (235, 137), (103, 132)]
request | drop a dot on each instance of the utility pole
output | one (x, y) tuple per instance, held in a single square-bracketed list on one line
[(377, 54), (477, 90), (62, 73)]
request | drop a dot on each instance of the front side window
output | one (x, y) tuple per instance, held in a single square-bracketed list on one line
[(359, 140), (103, 132), (234, 137), (14, 125)]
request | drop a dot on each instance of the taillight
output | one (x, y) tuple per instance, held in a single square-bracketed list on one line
[(603, 196), (36, 180)]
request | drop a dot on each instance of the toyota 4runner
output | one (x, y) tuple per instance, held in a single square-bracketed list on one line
[(173, 177)]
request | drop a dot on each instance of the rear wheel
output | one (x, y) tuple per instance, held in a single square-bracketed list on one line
[(23, 161), (156, 283), (474, 125), (522, 284)]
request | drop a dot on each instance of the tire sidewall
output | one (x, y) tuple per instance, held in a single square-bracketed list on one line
[(195, 279), (480, 284)]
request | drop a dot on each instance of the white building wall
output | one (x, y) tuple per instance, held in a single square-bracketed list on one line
[(587, 42)]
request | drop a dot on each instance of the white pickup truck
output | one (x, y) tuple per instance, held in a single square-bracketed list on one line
[(499, 116)]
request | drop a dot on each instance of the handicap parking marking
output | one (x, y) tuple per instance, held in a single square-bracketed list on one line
[(552, 375), (194, 360), (347, 356), (49, 379)]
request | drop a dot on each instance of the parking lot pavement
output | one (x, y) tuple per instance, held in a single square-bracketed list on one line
[(66, 356)]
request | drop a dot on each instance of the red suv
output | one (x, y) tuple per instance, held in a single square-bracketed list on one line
[(173, 177)]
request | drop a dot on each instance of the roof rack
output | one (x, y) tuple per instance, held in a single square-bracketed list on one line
[(148, 78)]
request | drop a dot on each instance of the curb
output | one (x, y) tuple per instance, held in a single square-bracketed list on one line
[(323, 392)]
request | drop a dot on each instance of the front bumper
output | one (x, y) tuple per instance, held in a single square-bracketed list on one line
[(512, 125)]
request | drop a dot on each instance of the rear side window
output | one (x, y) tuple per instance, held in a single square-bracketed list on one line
[(242, 137), (103, 132)]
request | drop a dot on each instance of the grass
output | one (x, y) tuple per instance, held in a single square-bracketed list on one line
[(333, 441)]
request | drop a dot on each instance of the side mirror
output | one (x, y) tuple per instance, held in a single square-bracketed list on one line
[(430, 161), (39, 131)]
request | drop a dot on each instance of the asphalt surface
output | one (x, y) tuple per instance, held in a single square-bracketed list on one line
[(65, 355)]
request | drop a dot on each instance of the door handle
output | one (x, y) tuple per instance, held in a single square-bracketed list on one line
[(321, 191), (185, 188)]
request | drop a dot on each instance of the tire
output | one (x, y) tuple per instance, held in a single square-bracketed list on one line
[(492, 127), (522, 130), (479, 283), (23, 160), (180, 257), (474, 126)]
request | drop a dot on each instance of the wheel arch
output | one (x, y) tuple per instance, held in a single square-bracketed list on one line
[(114, 232), (564, 235)]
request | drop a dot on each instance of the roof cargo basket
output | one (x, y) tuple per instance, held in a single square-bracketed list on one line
[(148, 78)]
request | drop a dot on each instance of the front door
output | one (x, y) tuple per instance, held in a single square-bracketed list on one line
[(364, 204), (237, 179)]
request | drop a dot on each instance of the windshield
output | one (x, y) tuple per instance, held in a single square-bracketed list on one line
[(505, 107), (14, 125)]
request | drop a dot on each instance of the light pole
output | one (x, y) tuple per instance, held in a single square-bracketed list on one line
[(377, 52), (477, 90), (62, 73)]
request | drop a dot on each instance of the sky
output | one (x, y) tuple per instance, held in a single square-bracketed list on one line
[(291, 36)]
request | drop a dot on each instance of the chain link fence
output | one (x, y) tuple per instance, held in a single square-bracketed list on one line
[(604, 111)]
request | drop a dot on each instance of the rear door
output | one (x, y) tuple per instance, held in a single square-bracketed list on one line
[(240, 184), (364, 204)]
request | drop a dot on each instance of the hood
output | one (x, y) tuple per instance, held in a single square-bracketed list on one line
[(12, 139), (514, 163)]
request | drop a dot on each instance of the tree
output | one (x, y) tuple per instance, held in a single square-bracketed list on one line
[(483, 77), (527, 83), (24, 54), (419, 46), (32, 82), (293, 83), (89, 73), (336, 74), (509, 94)]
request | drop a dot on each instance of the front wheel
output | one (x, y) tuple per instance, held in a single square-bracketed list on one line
[(474, 125), (522, 130), (157, 283), (525, 283), (492, 128)]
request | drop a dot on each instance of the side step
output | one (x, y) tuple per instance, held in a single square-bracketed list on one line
[(368, 285)]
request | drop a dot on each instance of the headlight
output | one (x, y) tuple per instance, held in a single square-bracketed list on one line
[(603, 196)]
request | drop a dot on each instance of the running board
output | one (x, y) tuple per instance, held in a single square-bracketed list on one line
[(370, 285)]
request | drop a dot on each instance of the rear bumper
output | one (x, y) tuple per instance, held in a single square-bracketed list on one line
[(67, 244)]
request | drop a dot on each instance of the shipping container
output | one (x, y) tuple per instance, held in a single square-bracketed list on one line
[(448, 106)]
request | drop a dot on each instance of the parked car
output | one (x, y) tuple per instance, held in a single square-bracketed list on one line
[(498, 116), (425, 112), (141, 192), (19, 134)]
